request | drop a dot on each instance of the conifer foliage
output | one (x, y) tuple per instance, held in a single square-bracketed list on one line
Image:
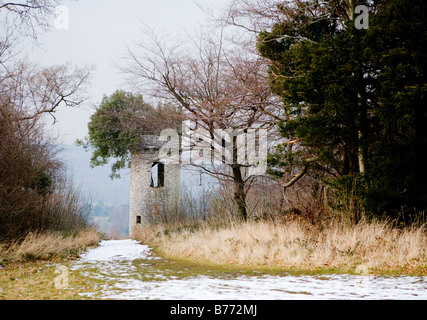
[(354, 97)]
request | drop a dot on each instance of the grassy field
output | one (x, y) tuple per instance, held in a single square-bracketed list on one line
[(37, 281), (373, 248), (29, 268)]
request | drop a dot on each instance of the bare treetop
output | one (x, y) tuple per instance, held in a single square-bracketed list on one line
[(216, 84), (27, 17)]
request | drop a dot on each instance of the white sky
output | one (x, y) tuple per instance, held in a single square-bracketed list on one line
[(98, 34)]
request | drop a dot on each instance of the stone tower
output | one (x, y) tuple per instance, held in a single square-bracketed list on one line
[(154, 186)]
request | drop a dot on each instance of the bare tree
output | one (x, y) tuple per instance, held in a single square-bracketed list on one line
[(217, 85), (32, 184), (31, 90), (27, 17), (21, 20), (34, 91), (253, 17)]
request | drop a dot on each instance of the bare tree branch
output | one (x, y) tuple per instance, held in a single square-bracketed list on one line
[(217, 86), (301, 174)]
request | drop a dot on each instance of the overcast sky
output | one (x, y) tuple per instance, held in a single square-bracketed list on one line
[(98, 33)]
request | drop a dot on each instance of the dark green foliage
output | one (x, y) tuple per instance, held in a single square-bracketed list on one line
[(355, 97), (116, 127), (395, 45), (110, 134)]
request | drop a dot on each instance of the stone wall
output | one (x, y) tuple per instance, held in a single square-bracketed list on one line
[(147, 203)]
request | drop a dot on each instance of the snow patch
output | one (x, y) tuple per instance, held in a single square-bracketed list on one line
[(112, 250), (274, 288), (113, 260)]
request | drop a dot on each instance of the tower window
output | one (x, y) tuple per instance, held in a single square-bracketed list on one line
[(157, 175), (138, 219)]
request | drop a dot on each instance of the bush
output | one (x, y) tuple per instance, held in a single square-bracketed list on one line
[(34, 194)]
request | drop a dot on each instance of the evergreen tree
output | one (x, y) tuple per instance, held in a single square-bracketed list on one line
[(395, 47), (118, 124), (355, 97)]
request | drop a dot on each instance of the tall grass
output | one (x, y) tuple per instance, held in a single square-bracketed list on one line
[(308, 237), (296, 244), (297, 230), (66, 211), (58, 226), (47, 245)]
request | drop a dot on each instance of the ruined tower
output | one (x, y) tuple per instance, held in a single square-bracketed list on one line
[(154, 186)]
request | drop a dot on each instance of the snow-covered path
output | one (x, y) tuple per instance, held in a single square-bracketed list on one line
[(131, 271)]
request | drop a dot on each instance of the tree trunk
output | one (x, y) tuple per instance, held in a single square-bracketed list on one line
[(239, 193), (239, 184)]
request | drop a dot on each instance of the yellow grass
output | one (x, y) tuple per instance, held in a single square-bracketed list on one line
[(377, 246), (47, 245), (28, 269), (36, 281)]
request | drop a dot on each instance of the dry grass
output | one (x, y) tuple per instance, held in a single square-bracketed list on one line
[(300, 245), (36, 281), (28, 268), (47, 245)]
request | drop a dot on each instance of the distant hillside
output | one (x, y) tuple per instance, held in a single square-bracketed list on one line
[(95, 183)]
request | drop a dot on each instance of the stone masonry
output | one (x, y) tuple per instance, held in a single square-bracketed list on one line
[(148, 202)]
